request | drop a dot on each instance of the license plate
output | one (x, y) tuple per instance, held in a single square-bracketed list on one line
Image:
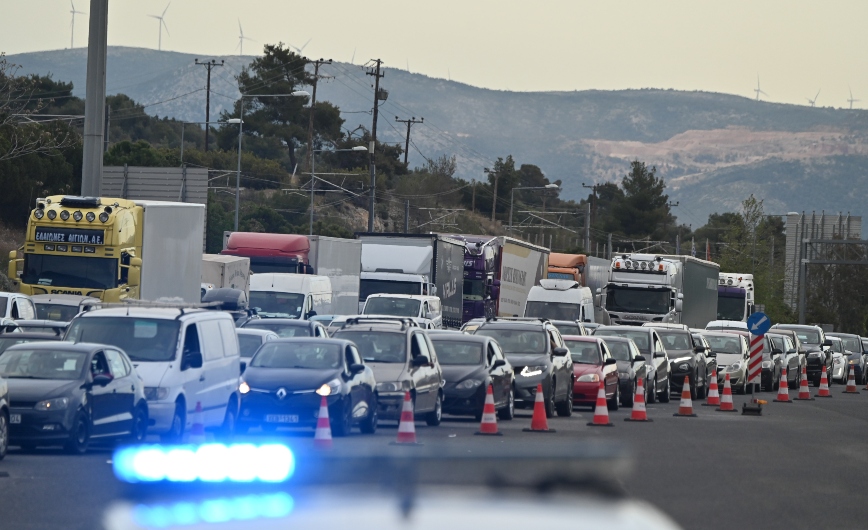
[(15, 418), (281, 418)]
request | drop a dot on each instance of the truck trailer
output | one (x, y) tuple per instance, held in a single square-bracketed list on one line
[(112, 249), (231, 272)]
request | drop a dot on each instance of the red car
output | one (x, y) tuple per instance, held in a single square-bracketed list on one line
[(592, 362)]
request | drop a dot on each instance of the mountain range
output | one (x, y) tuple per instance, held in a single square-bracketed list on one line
[(713, 150)]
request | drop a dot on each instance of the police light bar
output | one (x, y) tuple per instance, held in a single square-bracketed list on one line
[(209, 512), (210, 463)]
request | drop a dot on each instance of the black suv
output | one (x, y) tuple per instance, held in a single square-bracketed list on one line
[(818, 350), (538, 355), (686, 358)]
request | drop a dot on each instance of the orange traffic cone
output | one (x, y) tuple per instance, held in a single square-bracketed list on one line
[(197, 431), (407, 425), (601, 412), (804, 391), (851, 384), (322, 438), (539, 423), (639, 413), (783, 389), (488, 425), (685, 408), (713, 396), (824, 385), (726, 399)]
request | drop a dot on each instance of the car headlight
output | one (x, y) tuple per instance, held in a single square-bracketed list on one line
[(734, 367), (53, 404), (327, 389), (467, 384), (392, 386), (854, 362), (530, 371), (589, 378), (837, 360), (244, 387), (156, 393), (767, 364)]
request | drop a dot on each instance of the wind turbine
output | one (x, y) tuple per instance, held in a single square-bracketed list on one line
[(303, 46), (72, 24), (758, 90), (241, 39), (353, 59), (851, 100), (813, 102), (162, 25)]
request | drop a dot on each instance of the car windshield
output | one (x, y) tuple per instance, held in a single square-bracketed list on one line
[(398, 307), (583, 352), (70, 271), (675, 340), (634, 300), (837, 346), (310, 355), (474, 289), (144, 339), (9, 341), (248, 344), (808, 337), (369, 287), (552, 310), (639, 337), (516, 340), (277, 305), (729, 308), (42, 364), (63, 313), (378, 346), (619, 349), (724, 344), (451, 352), (284, 331), (568, 328), (851, 345)]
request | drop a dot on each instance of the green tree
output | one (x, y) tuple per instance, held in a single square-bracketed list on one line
[(644, 210)]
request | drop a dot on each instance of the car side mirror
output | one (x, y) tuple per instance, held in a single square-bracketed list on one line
[(710, 353), (102, 379), (192, 359), (610, 361), (309, 314), (498, 363), (560, 352), (429, 315), (639, 358), (827, 343), (699, 349), (421, 360), (356, 368), (657, 355), (777, 351)]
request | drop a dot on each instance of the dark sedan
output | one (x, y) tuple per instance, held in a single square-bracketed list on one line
[(287, 328), (854, 354), (631, 367), (470, 363), (686, 359), (813, 338), (286, 380), (68, 394)]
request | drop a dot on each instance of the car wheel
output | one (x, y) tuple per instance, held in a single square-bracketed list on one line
[(342, 424), (550, 400), (651, 396), (816, 381), (565, 407), (79, 436), (667, 390), (627, 401), (703, 391), (139, 429), (612, 404), (230, 421), (4, 434), (433, 418), (176, 431), (508, 412), (369, 424)]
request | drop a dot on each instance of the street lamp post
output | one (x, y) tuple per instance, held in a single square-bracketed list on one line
[(313, 177), (512, 197), (240, 122)]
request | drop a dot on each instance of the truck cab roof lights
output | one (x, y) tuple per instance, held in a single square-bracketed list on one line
[(64, 215), (80, 202)]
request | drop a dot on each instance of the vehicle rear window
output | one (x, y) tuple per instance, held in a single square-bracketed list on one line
[(639, 337), (620, 350), (458, 353), (310, 355), (378, 346), (569, 329), (673, 340), (724, 344), (583, 352), (249, 344), (63, 313), (516, 340), (284, 331)]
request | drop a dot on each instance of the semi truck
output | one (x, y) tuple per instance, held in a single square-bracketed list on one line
[(560, 299), (112, 249), (735, 296), (426, 264), (499, 272), (336, 258), (231, 272), (651, 288)]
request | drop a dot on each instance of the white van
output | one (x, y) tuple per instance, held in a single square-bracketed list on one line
[(280, 295), (185, 357), (425, 310), (16, 306), (560, 300)]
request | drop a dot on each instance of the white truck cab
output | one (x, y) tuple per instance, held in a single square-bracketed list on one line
[(281, 295), (557, 299), (16, 306), (427, 311), (186, 357)]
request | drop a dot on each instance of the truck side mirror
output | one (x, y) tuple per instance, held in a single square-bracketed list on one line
[(12, 271), (134, 275), (598, 299)]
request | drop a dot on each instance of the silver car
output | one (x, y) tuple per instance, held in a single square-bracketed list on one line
[(732, 358)]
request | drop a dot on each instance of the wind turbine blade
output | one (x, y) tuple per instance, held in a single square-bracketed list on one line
[(303, 46), (165, 26), (72, 5), (818, 95), (353, 59), (167, 8), (155, 16)]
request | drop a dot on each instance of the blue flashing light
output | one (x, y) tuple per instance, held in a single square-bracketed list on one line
[(214, 511), (206, 463)]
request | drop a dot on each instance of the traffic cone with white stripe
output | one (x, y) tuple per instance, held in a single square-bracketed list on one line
[(639, 413), (601, 412), (851, 384), (804, 390), (824, 385), (322, 437), (685, 408), (783, 389), (407, 425), (538, 422), (726, 399), (488, 425), (197, 431), (713, 396)]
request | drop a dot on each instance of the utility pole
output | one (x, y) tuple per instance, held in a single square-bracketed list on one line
[(94, 102), (588, 228), (316, 65), (208, 65), (609, 247), (374, 71), (409, 123), (473, 198), (593, 189), (108, 124), (494, 197), (407, 216)]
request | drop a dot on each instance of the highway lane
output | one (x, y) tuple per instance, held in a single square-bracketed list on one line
[(797, 466)]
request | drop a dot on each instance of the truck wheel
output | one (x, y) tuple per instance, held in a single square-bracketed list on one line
[(433, 418), (227, 430)]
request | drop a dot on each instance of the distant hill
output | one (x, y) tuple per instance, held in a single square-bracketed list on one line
[(712, 149)]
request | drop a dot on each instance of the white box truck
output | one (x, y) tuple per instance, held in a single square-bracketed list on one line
[(231, 272)]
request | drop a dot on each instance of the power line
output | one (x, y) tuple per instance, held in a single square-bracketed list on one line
[(208, 65), (409, 122)]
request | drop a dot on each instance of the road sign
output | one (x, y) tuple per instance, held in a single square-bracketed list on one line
[(758, 323), (755, 365)]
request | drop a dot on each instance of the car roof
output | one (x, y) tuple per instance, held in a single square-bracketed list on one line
[(645, 329), (85, 347), (459, 337), (721, 333), (614, 338), (292, 340), (282, 321), (63, 299), (842, 335), (582, 338), (797, 326), (162, 313), (254, 331), (741, 332), (529, 325), (565, 322), (32, 335), (382, 327)]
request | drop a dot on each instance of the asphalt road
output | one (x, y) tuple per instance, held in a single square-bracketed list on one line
[(799, 465)]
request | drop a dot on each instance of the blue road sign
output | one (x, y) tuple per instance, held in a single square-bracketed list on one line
[(758, 323)]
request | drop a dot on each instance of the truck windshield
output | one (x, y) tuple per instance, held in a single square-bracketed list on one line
[(638, 300), (474, 289), (398, 307), (70, 271), (144, 339), (552, 310), (369, 287), (277, 305), (730, 308)]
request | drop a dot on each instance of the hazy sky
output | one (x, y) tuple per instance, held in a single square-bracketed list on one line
[(796, 47)]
